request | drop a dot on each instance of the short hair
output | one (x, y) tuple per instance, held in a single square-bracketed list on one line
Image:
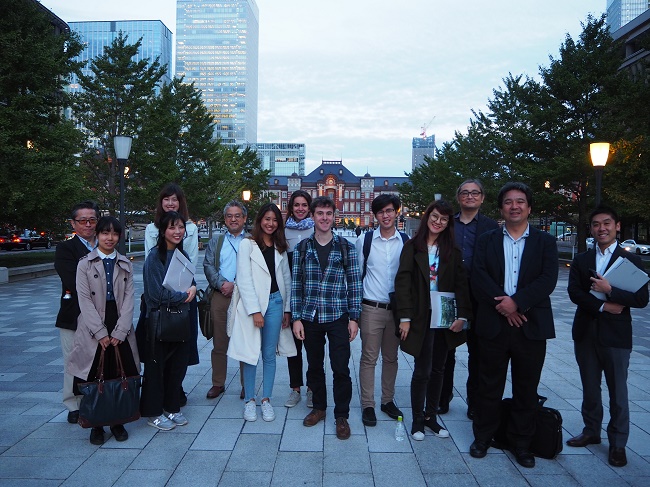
[(516, 186), (279, 240), (84, 205), (171, 189), (168, 218), (297, 194), (322, 202), (107, 224), (235, 204), (604, 210), (383, 200), (470, 181)]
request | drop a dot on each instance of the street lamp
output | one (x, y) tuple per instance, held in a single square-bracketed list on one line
[(599, 152), (246, 196), (122, 144)]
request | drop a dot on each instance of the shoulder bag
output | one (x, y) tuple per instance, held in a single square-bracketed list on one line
[(205, 318)]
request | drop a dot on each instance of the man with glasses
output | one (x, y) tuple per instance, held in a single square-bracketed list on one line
[(468, 226), (83, 220), (220, 267)]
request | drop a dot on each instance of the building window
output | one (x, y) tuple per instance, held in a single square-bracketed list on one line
[(386, 182), (367, 194), (358, 197), (284, 194), (367, 206), (284, 205), (346, 195), (276, 181), (346, 206), (358, 207)]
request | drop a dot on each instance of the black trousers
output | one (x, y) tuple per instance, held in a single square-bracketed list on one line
[(426, 382), (338, 337), (163, 378), (526, 358), (295, 366)]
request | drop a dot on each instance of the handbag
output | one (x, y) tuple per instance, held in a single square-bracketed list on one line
[(110, 402), (205, 317), (232, 310), (170, 323)]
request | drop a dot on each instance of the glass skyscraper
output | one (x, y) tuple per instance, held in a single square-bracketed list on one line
[(422, 146), (217, 45), (620, 12), (281, 158)]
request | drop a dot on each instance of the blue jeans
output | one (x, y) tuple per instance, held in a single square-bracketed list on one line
[(270, 336)]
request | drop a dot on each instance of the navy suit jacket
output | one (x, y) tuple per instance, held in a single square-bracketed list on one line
[(538, 273), (66, 258), (612, 330)]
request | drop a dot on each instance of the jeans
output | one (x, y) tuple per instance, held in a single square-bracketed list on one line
[(426, 382), (270, 336)]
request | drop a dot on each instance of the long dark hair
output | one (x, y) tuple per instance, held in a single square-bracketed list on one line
[(279, 240), (445, 241), (169, 190), (168, 218), (298, 194)]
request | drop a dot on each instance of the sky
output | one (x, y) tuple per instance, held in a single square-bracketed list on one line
[(356, 80)]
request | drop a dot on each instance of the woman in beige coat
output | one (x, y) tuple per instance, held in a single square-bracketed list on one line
[(105, 290)]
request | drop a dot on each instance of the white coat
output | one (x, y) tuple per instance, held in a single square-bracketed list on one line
[(254, 283)]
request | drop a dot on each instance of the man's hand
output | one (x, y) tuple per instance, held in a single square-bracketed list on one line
[(298, 330), (601, 285), (353, 329), (258, 320), (457, 326), (613, 308), (226, 288), (516, 319), (404, 328), (506, 305)]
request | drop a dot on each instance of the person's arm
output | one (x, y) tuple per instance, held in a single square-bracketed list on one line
[(638, 299), (91, 321), (150, 238), (65, 264), (353, 278), (191, 242), (211, 266), (153, 277), (296, 287), (245, 282), (125, 321), (286, 278)]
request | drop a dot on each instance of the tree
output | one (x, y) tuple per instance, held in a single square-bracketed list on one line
[(37, 144)]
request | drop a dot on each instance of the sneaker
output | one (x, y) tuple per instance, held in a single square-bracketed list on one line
[(162, 423), (177, 418), (250, 411), (293, 399), (267, 411), (438, 430), (310, 399), (417, 430)]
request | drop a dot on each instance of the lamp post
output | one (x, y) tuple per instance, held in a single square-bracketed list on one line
[(122, 144), (246, 196), (599, 152)]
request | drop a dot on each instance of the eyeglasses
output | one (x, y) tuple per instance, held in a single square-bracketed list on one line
[(466, 194), (435, 218), (86, 221), (237, 216), (387, 212)]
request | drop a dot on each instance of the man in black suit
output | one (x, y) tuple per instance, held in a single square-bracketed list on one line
[(468, 226), (602, 335), (515, 272), (83, 220)]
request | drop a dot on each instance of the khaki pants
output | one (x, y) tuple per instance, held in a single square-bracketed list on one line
[(218, 312), (70, 401)]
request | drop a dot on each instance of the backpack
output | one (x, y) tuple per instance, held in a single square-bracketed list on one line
[(367, 243)]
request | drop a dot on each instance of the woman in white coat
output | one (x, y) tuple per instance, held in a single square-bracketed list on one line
[(263, 311)]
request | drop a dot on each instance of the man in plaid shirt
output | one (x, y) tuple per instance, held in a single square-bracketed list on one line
[(326, 302)]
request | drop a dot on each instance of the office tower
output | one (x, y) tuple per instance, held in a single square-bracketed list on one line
[(422, 146), (217, 45), (620, 12), (282, 159)]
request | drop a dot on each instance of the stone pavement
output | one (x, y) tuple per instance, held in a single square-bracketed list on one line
[(38, 446)]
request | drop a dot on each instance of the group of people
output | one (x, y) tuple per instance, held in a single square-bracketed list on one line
[(296, 284)]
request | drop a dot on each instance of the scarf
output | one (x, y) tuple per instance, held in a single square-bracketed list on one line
[(301, 225)]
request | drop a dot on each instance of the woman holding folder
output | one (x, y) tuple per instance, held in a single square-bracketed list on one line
[(166, 363), (430, 262)]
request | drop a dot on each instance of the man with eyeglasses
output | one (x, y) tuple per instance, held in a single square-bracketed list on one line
[(220, 268), (469, 224), (83, 220)]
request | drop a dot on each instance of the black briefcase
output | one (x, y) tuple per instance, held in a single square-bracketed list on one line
[(547, 441)]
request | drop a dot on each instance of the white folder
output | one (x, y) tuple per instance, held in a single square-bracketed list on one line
[(180, 273)]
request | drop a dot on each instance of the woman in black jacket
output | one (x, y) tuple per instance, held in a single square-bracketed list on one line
[(429, 262)]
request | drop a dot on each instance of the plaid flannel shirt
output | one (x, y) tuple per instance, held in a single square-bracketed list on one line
[(331, 294)]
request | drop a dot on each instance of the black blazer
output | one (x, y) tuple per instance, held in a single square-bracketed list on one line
[(613, 330), (413, 299), (66, 258), (484, 224), (538, 273)]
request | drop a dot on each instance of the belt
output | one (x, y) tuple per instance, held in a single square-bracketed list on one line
[(375, 304)]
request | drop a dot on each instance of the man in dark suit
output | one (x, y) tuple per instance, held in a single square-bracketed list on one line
[(83, 220), (602, 334), (515, 272), (468, 226)]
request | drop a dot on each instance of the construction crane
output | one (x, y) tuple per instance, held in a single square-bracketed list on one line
[(423, 134)]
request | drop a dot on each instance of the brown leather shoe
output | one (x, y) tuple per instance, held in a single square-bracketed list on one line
[(342, 429), (583, 440), (215, 391), (617, 457), (313, 418)]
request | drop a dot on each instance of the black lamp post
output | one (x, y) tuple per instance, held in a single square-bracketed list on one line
[(122, 144), (599, 152)]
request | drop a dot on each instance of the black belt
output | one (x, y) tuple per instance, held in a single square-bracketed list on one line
[(374, 304)]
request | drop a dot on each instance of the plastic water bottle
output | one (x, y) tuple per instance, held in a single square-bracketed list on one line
[(400, 432)]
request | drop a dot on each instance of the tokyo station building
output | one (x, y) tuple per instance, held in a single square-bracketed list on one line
[(352, 194)]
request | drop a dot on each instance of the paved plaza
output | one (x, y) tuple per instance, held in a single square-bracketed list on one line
[(38, 447)]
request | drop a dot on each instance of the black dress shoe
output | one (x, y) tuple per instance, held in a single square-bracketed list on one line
[(443, 407), (183, 398), (524, 457), (119, 433), (368, 417), (478, 449), (73, 417), (471, 414), (583, 440), (617, 457), (392, 410), (97, 436)]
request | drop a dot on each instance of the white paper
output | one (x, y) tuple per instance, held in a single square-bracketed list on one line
[(443, 309), (623, 274), (180, 273)]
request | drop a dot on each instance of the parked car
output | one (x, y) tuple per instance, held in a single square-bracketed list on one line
[(27, 240), (590, 243), (636, 247)]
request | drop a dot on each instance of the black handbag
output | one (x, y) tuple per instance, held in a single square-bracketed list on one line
[(110, 402), (170, 323), (205, 318)]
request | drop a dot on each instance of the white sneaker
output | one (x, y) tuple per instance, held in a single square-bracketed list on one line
[(267, 411), (418, 436), (177, 418), (310, 399), (293, 399), (250, 411), (162, 423)]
